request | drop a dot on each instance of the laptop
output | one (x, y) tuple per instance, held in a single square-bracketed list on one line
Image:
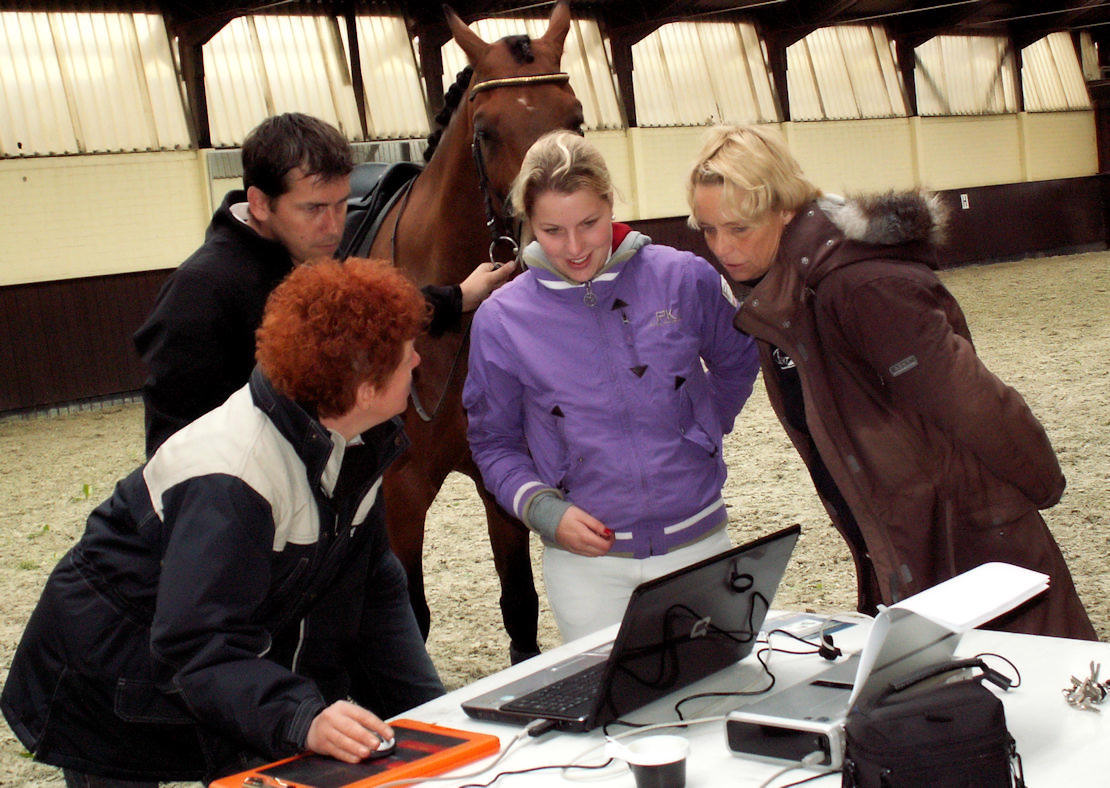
[(901, 643), (677, 629)]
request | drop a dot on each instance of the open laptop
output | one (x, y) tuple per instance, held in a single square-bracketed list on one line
[(901, 643), (918, 632), (677, 629)]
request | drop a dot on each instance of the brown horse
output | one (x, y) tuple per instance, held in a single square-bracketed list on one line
[(437, 233)]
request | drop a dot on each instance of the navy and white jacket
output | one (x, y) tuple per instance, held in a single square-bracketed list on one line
[(615, 394), (222, 581)]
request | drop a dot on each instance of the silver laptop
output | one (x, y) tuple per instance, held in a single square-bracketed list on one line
[(677, 629), (901, 644)]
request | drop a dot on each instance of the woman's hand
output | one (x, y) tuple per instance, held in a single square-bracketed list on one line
[(347, 732), (482, 281), (581, 533)]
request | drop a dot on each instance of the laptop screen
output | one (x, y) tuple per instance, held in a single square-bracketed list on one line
[(691, 623)]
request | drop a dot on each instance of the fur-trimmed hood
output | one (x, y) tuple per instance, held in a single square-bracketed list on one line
[(888, 219)]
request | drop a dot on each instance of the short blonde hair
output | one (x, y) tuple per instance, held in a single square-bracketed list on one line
[(756, 169), (563, 162)]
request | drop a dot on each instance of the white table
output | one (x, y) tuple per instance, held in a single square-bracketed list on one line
[(1059, 745)]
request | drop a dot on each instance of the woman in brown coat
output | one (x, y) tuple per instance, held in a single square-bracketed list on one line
[(926, 462)]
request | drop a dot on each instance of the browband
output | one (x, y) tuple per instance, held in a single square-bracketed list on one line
[(509, 82)]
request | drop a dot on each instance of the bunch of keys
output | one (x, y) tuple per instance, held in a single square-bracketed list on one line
[(1088, 693)]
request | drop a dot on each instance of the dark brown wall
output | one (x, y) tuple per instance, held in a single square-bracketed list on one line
[(71, 340)]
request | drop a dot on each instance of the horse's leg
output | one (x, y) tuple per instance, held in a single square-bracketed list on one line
[(409, 492), (520, 608)]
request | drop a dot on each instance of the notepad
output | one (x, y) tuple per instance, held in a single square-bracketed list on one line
[(422, 751), (977, 596)]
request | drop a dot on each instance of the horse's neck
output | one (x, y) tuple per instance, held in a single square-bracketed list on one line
[(443, 233)]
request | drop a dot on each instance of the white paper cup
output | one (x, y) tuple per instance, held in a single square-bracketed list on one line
[(658, 761)]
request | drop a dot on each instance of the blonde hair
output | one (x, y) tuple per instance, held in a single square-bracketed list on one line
[(563, 162), (756, 169)]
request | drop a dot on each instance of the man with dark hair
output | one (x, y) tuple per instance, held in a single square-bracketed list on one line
[(198, 341)]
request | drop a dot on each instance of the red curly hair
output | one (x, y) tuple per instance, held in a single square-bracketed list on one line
[(331, 326)]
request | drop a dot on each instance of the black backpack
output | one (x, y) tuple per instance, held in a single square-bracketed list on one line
[(945, 736)]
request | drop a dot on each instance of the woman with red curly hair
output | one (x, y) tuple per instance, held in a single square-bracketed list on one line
[(216, 611)]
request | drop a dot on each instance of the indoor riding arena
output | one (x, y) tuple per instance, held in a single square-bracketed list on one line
[(109, 174)]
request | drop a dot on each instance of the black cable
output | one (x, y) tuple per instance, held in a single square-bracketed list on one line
[(734, 693), (815, 650), (499, 775), (1017, 672)]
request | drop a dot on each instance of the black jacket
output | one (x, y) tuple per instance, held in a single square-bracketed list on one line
[(198, 341), (222, 581)]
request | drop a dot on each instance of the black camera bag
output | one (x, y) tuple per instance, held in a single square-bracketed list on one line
[(942, 736)]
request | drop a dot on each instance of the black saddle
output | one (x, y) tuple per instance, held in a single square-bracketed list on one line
[(375, 187)]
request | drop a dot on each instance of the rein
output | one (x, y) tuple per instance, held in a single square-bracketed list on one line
[(500, 226), (417, 405)]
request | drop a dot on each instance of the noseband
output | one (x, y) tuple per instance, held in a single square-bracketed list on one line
[(500, 224)]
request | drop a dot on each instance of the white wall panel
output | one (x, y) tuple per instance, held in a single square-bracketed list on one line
[(688, 73), (87, 82), (1051, 76), (965, 75)]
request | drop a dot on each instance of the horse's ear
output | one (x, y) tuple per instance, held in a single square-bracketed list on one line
[(472, 46), (559, 25)]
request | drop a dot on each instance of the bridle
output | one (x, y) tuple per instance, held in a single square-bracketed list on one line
[(501, 227)]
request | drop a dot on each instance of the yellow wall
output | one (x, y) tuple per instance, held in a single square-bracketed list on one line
[(89, 215), (661, 159), (969, 151), (1059, 145), (80, 216), (847, 157), (618, 155)]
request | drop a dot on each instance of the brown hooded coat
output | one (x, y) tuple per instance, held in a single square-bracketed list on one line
[(942, 465)]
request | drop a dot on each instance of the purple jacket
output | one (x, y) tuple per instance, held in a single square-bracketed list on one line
[(609, 404)]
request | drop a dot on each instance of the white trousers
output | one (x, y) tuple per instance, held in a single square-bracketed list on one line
[(587, 594)]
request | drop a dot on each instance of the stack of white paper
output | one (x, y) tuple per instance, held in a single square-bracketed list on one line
[(977, 596)]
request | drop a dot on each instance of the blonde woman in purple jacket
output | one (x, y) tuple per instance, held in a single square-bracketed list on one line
[(601, 383)]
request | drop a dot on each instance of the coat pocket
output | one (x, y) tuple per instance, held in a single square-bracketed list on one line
[(697, 419), (140, 700)]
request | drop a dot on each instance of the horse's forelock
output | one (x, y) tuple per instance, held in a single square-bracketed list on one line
[(520, 47)]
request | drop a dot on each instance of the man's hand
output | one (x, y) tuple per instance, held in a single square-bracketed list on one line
[(347, 732), (482, 281), (582, 533)]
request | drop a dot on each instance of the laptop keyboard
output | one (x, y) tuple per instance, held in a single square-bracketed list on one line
[(570, 696)]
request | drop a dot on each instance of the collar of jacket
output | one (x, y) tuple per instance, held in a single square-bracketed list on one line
[(312, 441), (831, 233), (265, 248), (627, 243)]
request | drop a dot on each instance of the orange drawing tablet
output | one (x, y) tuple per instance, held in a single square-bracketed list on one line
[(422, 751)]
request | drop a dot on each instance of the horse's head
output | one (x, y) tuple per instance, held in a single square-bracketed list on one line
[(517, 93)]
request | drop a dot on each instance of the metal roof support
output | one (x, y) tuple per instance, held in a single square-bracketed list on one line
[(191, 38), (355, 62), (621, 41), (432, 33), (778, 41), (907, 64)]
